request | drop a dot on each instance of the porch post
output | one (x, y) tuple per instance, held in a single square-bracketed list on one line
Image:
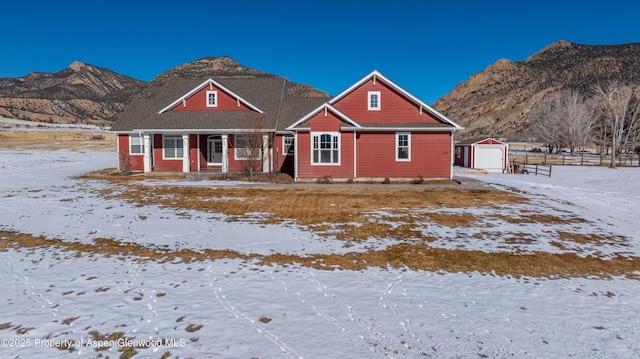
[(186, 165), (147, 152), (265, 153), (225, 153)]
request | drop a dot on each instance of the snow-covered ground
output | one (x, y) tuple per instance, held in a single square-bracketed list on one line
[(240, 309)]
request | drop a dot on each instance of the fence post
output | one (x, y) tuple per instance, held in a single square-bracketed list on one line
[(550, 167), (545, 159), (537, 168)]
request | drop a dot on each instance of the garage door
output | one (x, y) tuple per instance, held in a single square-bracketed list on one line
[(489, 159)]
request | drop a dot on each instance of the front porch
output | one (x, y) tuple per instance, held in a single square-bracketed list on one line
[(195, 152)]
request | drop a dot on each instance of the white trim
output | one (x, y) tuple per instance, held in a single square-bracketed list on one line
[(215, 98), (284, 144), (172, 137), (369, 102), (141, 144), (325, 107), (296, 158), (397, 145), (148, 148), (225, 153), (211, 83), (379, 77), (211, 140), (235, 147), (265, 153), (186, 160), (175, 132), (339, 142), (355, 139)]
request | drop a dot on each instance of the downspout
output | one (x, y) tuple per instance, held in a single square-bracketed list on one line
[(355, 164), (295, 156)]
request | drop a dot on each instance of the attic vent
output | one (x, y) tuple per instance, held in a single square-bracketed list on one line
[(374, 80)]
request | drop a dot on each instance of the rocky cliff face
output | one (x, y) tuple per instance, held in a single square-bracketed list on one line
[(84, 93), (498, 101)]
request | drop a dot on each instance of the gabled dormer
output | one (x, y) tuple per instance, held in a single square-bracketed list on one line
[(324, 118), (211, 96)]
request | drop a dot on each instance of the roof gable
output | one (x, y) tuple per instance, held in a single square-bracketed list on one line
[(481, 141), (211, 84), (326, 107), (420, 105)]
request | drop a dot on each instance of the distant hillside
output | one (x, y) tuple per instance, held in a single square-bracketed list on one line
[(498, 101), (225, 67), (81, 93), (84, 93)]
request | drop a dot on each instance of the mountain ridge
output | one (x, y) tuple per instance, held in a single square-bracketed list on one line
[(498, 101), (83, 93)]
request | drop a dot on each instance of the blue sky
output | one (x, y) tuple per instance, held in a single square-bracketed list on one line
[(427, 47)]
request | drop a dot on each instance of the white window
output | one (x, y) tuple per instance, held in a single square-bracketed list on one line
[(136, 145), (172, 147), (212, 98), (325, 149), (248, 147), (374, 100), (403, 147), (288, 145)]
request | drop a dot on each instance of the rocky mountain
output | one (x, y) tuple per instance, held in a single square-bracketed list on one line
[(225, 67), (83, 93), (498, 101)]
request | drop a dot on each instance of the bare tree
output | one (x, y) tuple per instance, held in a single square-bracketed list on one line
[(548, 123), (621, 116), (248, 145)]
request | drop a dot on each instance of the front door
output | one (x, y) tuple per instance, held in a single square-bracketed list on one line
[(214, 151)]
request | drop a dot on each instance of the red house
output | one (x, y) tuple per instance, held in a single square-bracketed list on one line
[(372, 130)]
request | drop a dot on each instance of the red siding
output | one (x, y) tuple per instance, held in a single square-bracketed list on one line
[(136, 162), (430, 156), (320, 123), (160, 164), (198, 102), (307, 170), (394, 107)]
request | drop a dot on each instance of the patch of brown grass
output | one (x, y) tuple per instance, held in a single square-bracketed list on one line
[(4, 326), (591, 238), (75, 141), (418, 256), (315, 207)]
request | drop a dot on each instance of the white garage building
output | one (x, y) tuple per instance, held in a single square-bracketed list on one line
[(484, 153)]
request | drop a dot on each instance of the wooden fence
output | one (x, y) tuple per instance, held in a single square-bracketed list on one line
[(566, 159)]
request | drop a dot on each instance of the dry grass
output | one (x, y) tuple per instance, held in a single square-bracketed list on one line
[(358, 213), (77, 141), (418, 256)]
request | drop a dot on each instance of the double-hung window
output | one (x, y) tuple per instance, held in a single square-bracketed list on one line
[(173, 147), (403, 147), (212, 98), (248, 147), (325, 148), (374, 100), (136, 145)]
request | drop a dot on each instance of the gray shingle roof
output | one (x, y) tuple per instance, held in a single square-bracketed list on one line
[(266, 93)]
